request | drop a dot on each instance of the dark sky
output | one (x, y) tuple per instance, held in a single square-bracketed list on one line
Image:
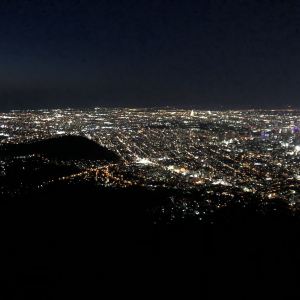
[(207, 54)]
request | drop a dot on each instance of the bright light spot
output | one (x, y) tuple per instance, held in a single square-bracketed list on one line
[(221, 182), (144, 161)]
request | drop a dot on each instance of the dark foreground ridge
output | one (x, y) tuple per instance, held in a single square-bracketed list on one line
[(71, 239), (65, 148), (79, 238)]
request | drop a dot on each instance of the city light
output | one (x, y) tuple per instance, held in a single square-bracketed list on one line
[(219, 151)]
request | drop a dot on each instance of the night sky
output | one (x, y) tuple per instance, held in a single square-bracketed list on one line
[(206, 54)]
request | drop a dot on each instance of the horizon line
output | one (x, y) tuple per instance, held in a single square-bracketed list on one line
[(162, 107)]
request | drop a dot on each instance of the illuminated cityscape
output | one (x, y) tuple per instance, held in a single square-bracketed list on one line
[(219, 153), (149, 147)]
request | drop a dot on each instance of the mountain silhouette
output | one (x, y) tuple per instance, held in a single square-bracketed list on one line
[(64, 148)]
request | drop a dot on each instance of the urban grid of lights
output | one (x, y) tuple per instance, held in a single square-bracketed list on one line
[(251, 151)]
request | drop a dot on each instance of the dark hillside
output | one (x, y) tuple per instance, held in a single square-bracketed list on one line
[(83, 236), (65, 148), (79, 237)]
